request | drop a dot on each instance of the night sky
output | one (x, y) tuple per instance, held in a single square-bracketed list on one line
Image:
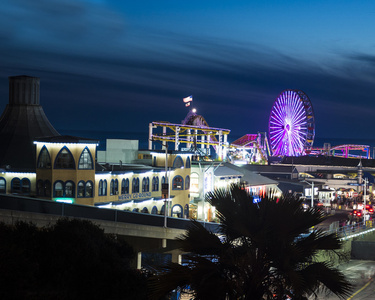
[(117, 65)]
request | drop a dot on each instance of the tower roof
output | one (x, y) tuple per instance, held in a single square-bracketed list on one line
[(22, 121)]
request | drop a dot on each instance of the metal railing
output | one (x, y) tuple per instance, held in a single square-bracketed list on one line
[(351, 230)]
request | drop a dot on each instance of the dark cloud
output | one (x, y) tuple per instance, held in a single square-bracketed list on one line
[(96, 75)]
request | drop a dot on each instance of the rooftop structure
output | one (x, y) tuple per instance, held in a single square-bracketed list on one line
[(22, 121)]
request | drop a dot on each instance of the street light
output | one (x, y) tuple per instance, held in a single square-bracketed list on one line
[(165, 186), (312, 191), (364, 195)]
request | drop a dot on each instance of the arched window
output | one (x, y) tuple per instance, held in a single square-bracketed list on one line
[(155, 184), (47, 188), (154, 210), (114, 187), (144, 210), (64, 159), (163, 180), (15, 186), (43, 188), (85, 160), (178, 162), (186, 211), (145, 184), (104, 191), (162, 210), (25, 186), (3, 185), (81, 189), (177, 211), (40, 188), (188, 165), (135, 185), (58, 189), (154, 162), (125, 186), (69, 189), (89, 189), (187, 182), (44, 159), (178, 183), (100, 188)]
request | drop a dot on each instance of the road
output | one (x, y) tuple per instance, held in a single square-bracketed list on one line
[(360, 273)]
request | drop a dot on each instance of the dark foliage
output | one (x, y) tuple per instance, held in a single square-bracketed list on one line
[(72, 259), (264, 250)]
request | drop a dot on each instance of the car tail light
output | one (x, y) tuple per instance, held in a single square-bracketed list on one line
[(367, 206), (371, 210), (359, 214)]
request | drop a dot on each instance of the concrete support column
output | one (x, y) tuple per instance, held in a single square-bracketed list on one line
[(176, 257), (139, 260)]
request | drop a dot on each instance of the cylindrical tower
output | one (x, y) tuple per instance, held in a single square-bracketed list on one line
[(22, 121), (24, 90)]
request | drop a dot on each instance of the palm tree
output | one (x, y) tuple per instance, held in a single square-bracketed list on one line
[(263, 250)]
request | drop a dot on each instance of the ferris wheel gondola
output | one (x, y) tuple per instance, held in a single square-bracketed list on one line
[(291, 124)]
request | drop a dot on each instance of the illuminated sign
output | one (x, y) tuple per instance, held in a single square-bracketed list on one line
[(134, 196)]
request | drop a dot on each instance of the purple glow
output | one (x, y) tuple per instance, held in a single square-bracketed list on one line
[(291, 127)]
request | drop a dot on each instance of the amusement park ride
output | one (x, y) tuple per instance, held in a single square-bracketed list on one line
[(291, 132)]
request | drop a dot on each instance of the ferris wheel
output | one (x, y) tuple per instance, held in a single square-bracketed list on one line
[(291, 125)]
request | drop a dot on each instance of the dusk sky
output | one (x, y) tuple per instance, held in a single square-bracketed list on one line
[(117, 65)]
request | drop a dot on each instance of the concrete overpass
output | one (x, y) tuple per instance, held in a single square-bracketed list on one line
[(144, 232)]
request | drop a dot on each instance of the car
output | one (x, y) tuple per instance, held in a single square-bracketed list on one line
[(370, 209), (356, 213)]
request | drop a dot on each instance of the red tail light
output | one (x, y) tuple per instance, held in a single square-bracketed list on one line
[(359, 214)]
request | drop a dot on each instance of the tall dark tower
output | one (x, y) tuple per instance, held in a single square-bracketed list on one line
[(21, 122)]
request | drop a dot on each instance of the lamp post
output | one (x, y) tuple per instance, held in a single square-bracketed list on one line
[(364, 195), (312, 192), (165, 186)]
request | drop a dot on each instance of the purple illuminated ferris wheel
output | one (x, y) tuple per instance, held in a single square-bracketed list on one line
[(291, 126)]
